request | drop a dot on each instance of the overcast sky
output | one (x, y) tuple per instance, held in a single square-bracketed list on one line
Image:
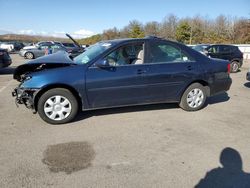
[(84, 18)]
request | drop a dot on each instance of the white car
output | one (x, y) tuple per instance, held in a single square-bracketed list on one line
[(8, 47)]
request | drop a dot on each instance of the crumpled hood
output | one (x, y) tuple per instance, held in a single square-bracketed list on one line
[(58, 57), (57, 60)]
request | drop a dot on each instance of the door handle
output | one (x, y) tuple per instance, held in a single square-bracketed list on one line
[(189, 67), (141, 71)]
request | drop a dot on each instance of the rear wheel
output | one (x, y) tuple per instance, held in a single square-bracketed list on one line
[(193, 98), (57, 106), (29, 55), (235, 66)]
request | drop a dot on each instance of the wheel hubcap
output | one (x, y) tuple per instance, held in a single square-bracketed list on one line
[(195, 98), (29, 55), (235, 67), (57, 107)]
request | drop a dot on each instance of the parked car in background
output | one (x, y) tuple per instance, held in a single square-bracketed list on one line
[(16, 45), (78, 50), (41, 50), (226, 52), (5, 59), (37, 45), (67, 45), (119, 73), (248, 75), (6, 46), (72, 48), (201, 48)]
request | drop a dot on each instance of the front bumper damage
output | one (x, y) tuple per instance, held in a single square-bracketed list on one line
[(25, 96)]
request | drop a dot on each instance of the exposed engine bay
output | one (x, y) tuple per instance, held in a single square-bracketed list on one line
[(21, 71)]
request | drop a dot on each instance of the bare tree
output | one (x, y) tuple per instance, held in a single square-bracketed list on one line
[(152, 28), (168, 27)]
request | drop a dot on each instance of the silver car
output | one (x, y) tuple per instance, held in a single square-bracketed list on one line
[(41, 50)]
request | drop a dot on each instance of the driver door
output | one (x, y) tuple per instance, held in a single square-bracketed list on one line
[(119, 84)]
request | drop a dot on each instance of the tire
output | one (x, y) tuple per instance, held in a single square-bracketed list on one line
[(29, 55), (57, 106), (235, 67), (193, 98)]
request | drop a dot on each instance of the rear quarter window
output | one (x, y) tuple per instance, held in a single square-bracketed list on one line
[(167, 53)]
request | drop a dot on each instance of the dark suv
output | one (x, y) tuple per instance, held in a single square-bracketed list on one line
[(227, 52), (5, 59)]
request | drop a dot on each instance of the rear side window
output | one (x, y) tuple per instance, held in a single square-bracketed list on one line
[(235, 49), (224, 49), (167, 53)]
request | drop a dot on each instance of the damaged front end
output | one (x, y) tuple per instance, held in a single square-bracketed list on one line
[(25, 96), (27, 90)]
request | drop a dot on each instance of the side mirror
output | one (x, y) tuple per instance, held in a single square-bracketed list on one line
[(103, 63)]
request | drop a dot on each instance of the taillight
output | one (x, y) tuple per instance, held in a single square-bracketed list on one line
[(228, 68)]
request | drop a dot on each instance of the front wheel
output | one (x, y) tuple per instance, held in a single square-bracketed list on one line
[(57, 106), (193, 98)]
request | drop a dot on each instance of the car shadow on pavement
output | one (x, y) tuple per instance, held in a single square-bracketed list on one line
[(230, 174), (7, 70), (247, 84), (119, 110), (223, 97), (219, 98)]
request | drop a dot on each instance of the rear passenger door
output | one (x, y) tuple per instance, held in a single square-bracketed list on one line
[(225, 52), (168, 70)]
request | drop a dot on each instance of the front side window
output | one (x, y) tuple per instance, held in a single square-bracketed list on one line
[(126, 55), (165, 53)]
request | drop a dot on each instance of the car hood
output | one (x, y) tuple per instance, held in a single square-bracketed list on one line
[(57, 60)]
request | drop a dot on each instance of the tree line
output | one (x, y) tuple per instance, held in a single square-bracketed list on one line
[(194, 30)]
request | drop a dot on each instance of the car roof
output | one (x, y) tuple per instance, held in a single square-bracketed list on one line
[(223, 45), (148, 38)]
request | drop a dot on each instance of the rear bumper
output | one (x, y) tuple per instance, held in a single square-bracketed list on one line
[(220, 85)]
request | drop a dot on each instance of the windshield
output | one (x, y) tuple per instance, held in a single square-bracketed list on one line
[(92, 52)]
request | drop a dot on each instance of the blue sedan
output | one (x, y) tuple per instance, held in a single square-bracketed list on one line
[(119, 73)]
